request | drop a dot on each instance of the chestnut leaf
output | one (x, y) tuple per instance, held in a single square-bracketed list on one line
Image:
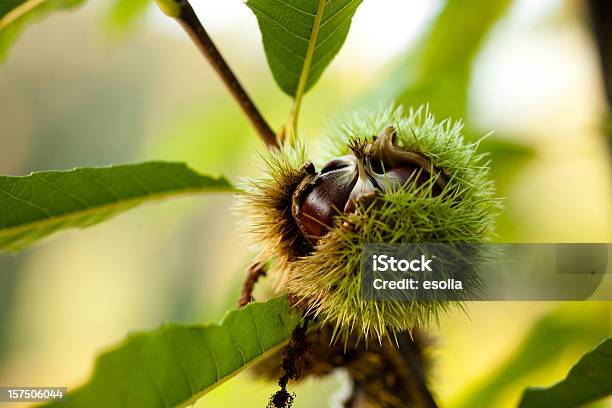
[(177, 364), (35, 206), (439, 72), (287, 28), (16, 14), (588, 381), (559, 332)]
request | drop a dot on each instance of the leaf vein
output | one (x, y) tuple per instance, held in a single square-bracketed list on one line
[(261, 346), (150, 376), (66, 192), (340, 10), (338, 26), (263, 13), (213, 357), (244, 360), (181, 364), (29, 204), (286, 3)]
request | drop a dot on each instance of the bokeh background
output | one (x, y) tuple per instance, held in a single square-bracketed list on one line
[(115, 82)]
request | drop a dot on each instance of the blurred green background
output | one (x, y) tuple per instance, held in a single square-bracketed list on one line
[(116, 82)]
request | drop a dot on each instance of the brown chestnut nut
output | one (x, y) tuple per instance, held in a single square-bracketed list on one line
[(328, 196), (370, 169)]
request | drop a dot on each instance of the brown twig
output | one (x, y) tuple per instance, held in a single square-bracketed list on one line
[(601, 13), (351, 401), (407, 351), (192, 25), (255, 271)]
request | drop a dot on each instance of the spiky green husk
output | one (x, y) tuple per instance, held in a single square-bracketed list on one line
[(266, 203), (327, 280)]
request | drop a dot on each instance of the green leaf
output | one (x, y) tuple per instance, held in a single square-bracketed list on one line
[(440, 72), (588, 381), (287, 28), (34, 206), (571, 328), (177, 364), (16, 14), (124, 13)]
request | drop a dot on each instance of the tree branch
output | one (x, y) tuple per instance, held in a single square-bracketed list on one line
[(601, 13), (255, 271), (182, 11), (407, 352)]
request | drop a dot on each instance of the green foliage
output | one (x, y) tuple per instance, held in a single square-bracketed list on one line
[(440, 72), (588, 381), (16, 14), (553, 335), (286, 29), (177, 364), (37, 205), (123, 13)]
